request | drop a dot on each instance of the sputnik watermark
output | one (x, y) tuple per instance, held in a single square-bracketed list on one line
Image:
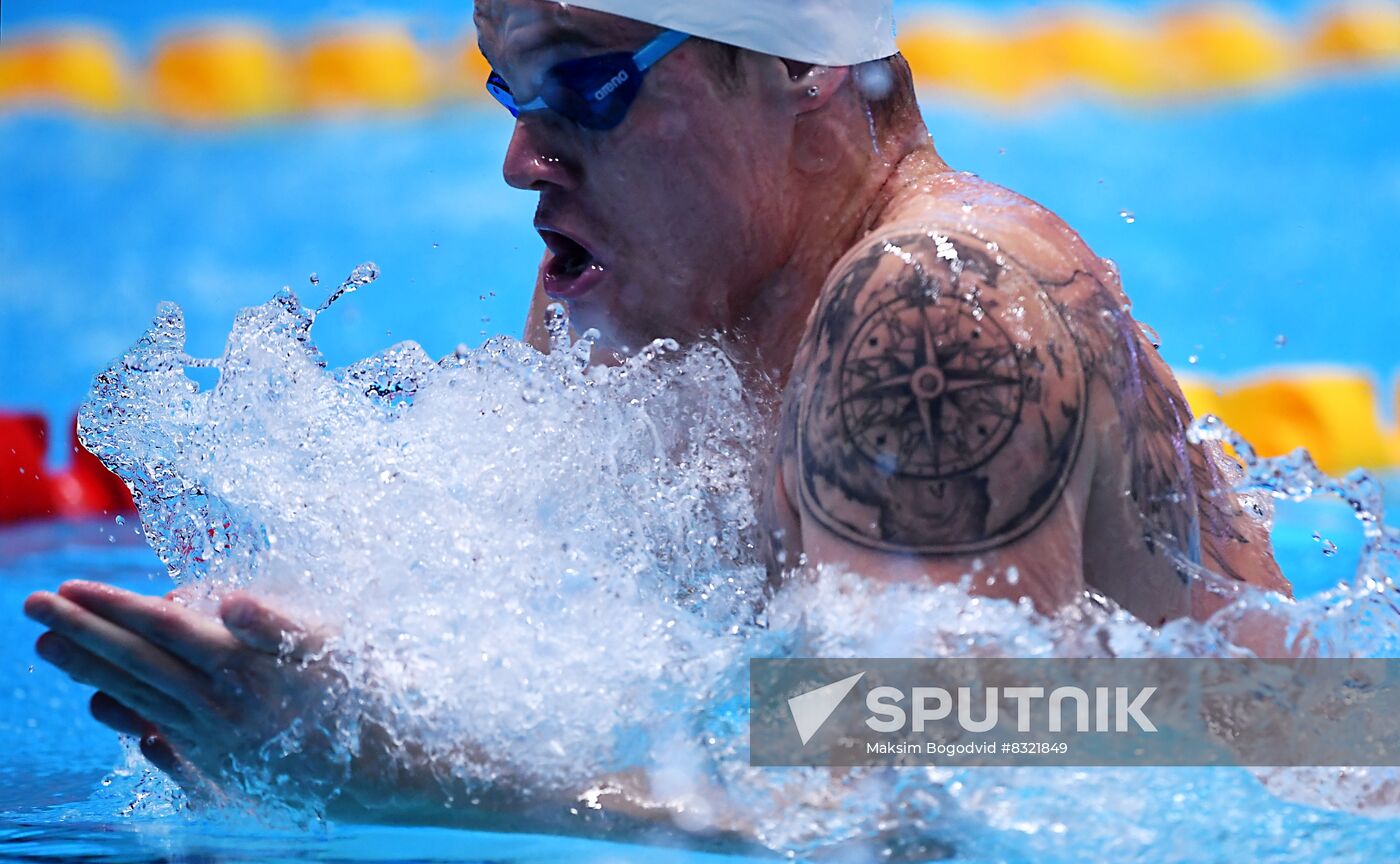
[(812, 709), (1075, 712), (933, 704), (1112, 709)]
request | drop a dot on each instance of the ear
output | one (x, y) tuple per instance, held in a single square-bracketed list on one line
[(820, 141), (814, 86)]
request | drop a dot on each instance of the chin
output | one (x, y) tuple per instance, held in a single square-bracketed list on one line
[(613, 334)]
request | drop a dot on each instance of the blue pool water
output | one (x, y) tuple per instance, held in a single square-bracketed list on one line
[(1267, 216), (54, 806), (1255, 217)]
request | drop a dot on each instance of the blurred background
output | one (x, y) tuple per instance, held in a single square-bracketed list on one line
[(1240, 162)]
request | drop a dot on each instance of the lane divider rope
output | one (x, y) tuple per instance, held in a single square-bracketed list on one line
[(240, 72)]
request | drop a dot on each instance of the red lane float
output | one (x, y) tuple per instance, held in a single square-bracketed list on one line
[(28, 490)]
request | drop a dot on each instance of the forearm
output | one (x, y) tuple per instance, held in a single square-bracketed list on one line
[(408, 788)]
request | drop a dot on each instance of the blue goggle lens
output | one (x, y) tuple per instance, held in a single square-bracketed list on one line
[(500, 90), (593, 92)]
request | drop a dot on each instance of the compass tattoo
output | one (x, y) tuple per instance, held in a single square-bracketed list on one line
[(949, 404), (919, 411)]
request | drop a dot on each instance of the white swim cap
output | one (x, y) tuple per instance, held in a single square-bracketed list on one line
[(827, 32)]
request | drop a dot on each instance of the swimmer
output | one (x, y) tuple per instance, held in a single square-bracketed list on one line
[(959, 387)]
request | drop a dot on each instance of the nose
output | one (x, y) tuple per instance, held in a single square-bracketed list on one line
[(535, 162)]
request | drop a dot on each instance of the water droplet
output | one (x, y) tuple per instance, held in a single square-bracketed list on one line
[(362, 275), (556, 323), (314, 279), (1329, 548), (1280, 341), (121, 520), (1127, 216), (1193, 359)]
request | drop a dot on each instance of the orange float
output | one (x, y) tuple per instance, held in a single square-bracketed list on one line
[(364, 67), (1365, 33), (78, 68), (220, 74)]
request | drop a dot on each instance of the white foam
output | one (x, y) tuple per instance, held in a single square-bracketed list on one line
[(559, 564)]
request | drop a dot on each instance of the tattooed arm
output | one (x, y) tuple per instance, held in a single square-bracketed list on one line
[(936, 420)]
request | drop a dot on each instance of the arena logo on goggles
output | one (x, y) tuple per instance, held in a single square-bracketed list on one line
[(608, 88)]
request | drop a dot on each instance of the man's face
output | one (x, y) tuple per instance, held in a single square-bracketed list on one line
[(666, 225)]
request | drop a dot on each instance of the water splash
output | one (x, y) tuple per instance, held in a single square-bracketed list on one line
[(361, 276), (1296, 477), (558, 562)]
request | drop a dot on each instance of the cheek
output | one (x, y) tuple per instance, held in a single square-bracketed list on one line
[(673, 128)]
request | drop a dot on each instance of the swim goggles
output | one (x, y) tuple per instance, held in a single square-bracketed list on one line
[(594, 92)]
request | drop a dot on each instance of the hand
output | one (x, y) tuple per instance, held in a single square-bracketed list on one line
[(204, 695), (208, 695)]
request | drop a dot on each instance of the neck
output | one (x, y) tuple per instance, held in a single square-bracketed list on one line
[(766, 339)]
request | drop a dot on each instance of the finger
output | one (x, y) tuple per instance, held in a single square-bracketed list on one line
[(263, 629), (195, 638), (121, 648), (147, 703), (186, 592), (87, 668), (160, 754), (114, 715)]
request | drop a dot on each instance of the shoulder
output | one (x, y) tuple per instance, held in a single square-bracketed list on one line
[(943, 401)]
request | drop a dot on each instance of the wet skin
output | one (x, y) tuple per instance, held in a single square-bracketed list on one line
[(959, 385), (181, 681), (972, 396), (682, 203)]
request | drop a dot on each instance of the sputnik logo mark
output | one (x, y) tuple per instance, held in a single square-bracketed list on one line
[(812, 709)]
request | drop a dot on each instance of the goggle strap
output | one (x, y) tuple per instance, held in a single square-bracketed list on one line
[(658, 48)]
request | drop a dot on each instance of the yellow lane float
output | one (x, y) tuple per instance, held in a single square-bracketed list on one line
[(1101, 49), (233, 72), (1223, 48), (79, 68), (963, 54), (1334, 413), (226, 73), (374, 66), (1357, 34)]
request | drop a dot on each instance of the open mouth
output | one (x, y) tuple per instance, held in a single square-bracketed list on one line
[(572, 269)]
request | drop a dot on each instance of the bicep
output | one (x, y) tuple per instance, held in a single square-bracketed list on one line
[(942, 418)]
